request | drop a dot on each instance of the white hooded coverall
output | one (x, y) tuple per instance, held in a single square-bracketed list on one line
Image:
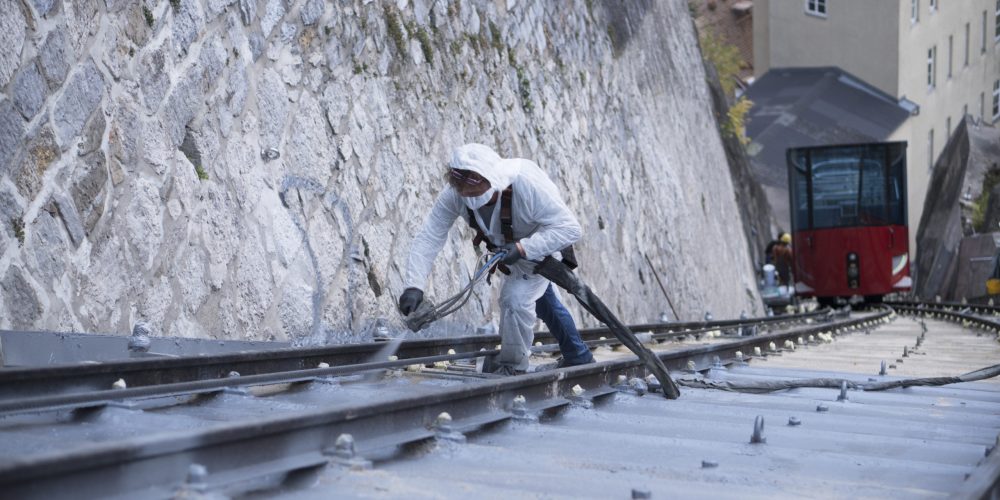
[(540, 221)]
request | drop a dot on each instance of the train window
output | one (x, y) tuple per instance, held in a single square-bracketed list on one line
[(896, 203), (800, 192), (848, 186)]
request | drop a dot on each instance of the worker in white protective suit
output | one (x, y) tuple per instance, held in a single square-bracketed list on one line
[(537, 224)]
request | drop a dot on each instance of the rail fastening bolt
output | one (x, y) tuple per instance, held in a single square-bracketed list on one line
[(758, 431), (843, 391)]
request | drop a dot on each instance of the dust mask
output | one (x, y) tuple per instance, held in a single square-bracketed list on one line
[(477, 202)]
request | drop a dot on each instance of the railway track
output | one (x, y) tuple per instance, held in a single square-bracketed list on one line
[(277, 415), (33, 382), (268, 425)]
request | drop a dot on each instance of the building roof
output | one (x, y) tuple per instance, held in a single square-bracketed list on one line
[(796, 107)]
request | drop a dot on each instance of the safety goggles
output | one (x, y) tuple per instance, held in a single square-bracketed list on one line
[(469, 180)]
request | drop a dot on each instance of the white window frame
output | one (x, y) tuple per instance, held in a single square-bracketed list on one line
[(931, 68), (816, 8), (996, 100), (914, 11)]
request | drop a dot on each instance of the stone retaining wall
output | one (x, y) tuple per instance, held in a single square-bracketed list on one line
[(255, 169)]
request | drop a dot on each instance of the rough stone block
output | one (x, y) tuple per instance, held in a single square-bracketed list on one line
[(273, 12), (82, 95), (256, 45), (123, 133), (39, 152), (54, 56), (115, 53), (153, 77), (211, 61), (143, 220), (248, 11), (93, 134), (272, 102), (89, 189), (48, 246), (188, 22), (11, 131), (20, 299), (70, 217), (312, 11), (82, 21), (236, 91), (216, 7), (135, 27), (10, 210), (43, 7), (12, 24), (309, 148), (181, 107), (29, 91)]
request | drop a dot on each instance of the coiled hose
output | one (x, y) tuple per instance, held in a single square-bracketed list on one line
[(428, 313)]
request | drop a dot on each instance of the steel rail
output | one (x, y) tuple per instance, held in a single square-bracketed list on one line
[(28, 382), (947, 312), (956, 306), (158, 464), (109, 395)]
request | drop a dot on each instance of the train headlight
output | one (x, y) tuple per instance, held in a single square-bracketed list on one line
[(899, 263), (853, 270)]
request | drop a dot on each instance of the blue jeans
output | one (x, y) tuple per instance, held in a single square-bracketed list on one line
[(561, 325)]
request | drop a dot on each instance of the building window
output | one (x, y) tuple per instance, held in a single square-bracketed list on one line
[(947, 129), (933, 5), (914, 11), (965, 111), (931, 62), (949, 55), (984, 33), (996, 16), (816, 7), (982, 106), (930, 150), (996, 99), (966, 63)]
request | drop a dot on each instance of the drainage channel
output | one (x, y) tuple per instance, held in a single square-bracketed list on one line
[(230, 435), (32, 382)]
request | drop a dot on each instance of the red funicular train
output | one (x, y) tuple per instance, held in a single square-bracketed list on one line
[(848, 209)]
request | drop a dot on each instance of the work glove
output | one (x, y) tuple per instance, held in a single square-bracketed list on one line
[(513, 254), (409, 300)]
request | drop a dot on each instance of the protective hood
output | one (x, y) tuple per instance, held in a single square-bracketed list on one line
[(485, 162)]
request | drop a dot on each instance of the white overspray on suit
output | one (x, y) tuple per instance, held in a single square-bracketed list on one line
[(541, 222)]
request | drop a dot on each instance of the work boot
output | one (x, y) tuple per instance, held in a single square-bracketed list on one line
[(490, 365), (507, 371), (563, 363)]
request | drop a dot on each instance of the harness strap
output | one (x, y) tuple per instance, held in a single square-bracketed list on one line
[(507, 229)]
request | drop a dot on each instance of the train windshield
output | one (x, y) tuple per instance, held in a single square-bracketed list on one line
[(845, 186)]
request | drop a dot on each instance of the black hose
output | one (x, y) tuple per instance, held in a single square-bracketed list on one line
[(765, 386)]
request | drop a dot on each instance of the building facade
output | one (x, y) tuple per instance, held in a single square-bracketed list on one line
[(939, 57)]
